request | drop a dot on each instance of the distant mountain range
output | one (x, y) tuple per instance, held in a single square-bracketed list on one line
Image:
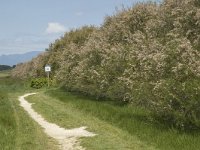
[(14, 59)]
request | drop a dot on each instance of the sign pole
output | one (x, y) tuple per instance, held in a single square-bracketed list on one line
[(48, 77), (48, 70)]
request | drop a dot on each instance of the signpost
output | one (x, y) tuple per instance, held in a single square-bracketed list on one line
[(48, 70)]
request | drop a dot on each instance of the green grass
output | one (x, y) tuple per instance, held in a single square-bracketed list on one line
[(17, 130), (8, 124), (118, 126), (5, 73), (68, 114)]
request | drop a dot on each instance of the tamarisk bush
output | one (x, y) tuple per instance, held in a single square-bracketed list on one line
[(146, 55)]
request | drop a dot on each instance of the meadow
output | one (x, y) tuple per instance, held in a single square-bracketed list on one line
[(117, 125), (4, 73), (17, 130)]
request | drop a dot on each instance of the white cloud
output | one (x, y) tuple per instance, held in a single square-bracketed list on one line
[(54, 27), (79, 13)]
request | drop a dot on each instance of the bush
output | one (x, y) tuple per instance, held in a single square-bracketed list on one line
[(39, 83), (178, 103)]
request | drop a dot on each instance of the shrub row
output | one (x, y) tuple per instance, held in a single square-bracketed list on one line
[(146, 55)]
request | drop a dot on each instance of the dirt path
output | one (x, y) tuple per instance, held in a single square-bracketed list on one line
[(68, 139)]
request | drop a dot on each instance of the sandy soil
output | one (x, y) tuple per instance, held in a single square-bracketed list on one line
[(68, 139)]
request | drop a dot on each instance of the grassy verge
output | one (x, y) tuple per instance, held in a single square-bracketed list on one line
[(122, 127), (17, 130), (29, 133), (70, 114), (5, 73), (7, 123), (118, 127)]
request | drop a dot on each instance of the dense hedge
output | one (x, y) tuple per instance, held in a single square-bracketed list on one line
[(146, 55)]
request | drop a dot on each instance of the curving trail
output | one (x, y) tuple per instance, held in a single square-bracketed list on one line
[(68, 139)]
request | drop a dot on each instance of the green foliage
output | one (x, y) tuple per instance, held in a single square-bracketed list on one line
[(39, 83), (178, 103)]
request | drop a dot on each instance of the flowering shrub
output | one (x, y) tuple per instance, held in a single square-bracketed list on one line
[(33, 68), (178, 102), (146, 55)]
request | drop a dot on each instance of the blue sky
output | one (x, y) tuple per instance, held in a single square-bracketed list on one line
[(31, 25)]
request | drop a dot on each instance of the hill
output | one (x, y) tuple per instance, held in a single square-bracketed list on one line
[(4, 67), (14, 59)]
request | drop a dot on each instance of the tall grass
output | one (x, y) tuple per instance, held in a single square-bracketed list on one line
[(5, 73), (136, 121), (17, 130), (7, 123)]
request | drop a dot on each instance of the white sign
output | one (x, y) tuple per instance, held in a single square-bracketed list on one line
[(47, 68)]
